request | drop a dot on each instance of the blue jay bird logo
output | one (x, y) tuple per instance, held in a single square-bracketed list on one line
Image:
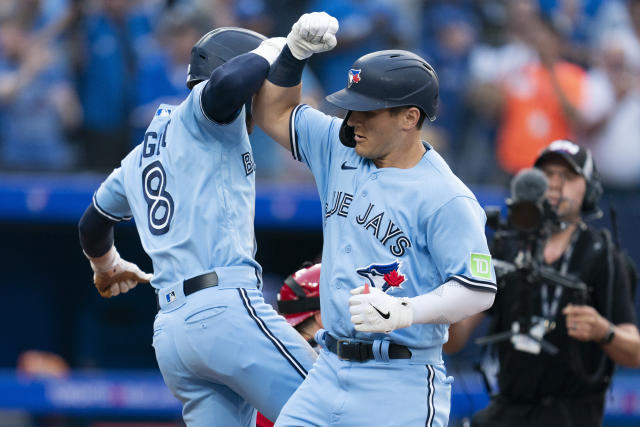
[(383, 276)]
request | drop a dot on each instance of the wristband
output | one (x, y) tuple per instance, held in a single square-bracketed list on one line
[(287, 70), (608, 337)]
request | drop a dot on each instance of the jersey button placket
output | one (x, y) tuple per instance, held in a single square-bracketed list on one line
[(347, 249)]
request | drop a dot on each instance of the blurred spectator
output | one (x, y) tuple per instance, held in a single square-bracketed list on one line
[(365, 26), (503, 51), (575, 19), (614, 132), (454, 31), (613, 111), (37, 103), (284, 13), (112, 32), (160, 78), (539, 104)]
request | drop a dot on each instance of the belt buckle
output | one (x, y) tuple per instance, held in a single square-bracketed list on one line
[(339, 345)]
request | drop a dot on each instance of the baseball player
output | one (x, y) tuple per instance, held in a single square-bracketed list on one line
[(404, 247), (191, 188)]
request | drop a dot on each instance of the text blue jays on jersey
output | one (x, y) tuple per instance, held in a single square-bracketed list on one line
[(371, 219)]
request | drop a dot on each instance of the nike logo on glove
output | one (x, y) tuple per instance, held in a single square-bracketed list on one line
[(345, 166), (384, 315)]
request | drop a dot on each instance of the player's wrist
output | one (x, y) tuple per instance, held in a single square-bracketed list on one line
[(106, 262), (287, 70), (405, 312), (270, 49)]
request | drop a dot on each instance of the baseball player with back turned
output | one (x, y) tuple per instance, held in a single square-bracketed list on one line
[(404, 247), (191, 188)]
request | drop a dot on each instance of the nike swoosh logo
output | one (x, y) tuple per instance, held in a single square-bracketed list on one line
[(345, 166), (384, 315)]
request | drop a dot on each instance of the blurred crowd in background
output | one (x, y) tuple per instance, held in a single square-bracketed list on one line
[(79, 80)]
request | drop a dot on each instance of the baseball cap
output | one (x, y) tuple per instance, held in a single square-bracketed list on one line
[(578, 158)]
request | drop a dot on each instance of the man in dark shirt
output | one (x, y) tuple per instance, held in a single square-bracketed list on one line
[(568, 388)]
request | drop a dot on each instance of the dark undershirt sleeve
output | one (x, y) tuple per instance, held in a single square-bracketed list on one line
[(96, 232), (232, 85)]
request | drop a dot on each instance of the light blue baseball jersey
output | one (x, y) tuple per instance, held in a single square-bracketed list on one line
[(406, 231), (191, 188)]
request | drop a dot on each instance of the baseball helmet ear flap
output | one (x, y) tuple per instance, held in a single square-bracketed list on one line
[(347, 133)]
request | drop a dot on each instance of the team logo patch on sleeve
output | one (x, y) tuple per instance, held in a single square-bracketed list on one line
[(383, 276), (480, 266)]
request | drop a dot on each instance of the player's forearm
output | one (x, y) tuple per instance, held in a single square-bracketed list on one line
[(272, 109), (279, 95), (460, 332), (449, 303), (232, 85), (96, 233), (624, 349)]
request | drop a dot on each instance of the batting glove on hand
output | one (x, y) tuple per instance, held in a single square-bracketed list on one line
[(270, 49), (113, 275), (374, 311), (313, 33)]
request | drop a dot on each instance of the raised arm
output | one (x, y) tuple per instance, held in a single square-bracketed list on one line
[(312, 33), (232, 84)]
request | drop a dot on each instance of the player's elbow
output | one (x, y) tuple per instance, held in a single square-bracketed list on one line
[(483, 301), (453, 345)]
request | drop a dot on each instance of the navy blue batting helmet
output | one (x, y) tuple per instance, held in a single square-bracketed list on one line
[(387, 79), (217, 47)]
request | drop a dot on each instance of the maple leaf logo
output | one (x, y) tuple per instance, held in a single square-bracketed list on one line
[(393, 278)]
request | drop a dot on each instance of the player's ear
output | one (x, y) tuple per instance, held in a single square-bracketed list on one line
[(410, 118)]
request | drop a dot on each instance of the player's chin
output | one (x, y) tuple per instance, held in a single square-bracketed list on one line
[(361, 150)]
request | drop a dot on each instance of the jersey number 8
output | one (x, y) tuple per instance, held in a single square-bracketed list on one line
[(159, 201)]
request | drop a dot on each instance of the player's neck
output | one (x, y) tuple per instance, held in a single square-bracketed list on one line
[(405, 156)]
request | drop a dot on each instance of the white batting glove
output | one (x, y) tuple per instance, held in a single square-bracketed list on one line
[(112, 275), (270, 49), (374, 311), (313, 33)]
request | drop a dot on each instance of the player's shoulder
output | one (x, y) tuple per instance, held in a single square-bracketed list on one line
[(305, 114), (441, 184)]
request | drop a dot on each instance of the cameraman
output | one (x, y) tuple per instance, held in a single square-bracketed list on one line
[(568, 388)]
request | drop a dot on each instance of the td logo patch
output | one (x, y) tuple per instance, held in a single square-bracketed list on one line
[(481, 266)]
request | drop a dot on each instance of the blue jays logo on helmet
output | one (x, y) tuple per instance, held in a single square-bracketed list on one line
[(354, 76), (383, 276)]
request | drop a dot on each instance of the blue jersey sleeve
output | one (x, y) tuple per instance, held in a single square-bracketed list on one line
[(456, 239), (204, 128), (314, 137), (111, 199)]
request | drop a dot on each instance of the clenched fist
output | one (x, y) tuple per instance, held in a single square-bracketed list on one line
[(113, 275), (313, 33)]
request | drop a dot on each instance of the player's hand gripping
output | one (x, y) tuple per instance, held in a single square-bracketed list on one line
[(113, 275), (313, 33), (374, 311)]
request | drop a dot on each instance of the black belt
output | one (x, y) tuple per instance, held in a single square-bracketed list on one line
[(198, 283), (361, 351)]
